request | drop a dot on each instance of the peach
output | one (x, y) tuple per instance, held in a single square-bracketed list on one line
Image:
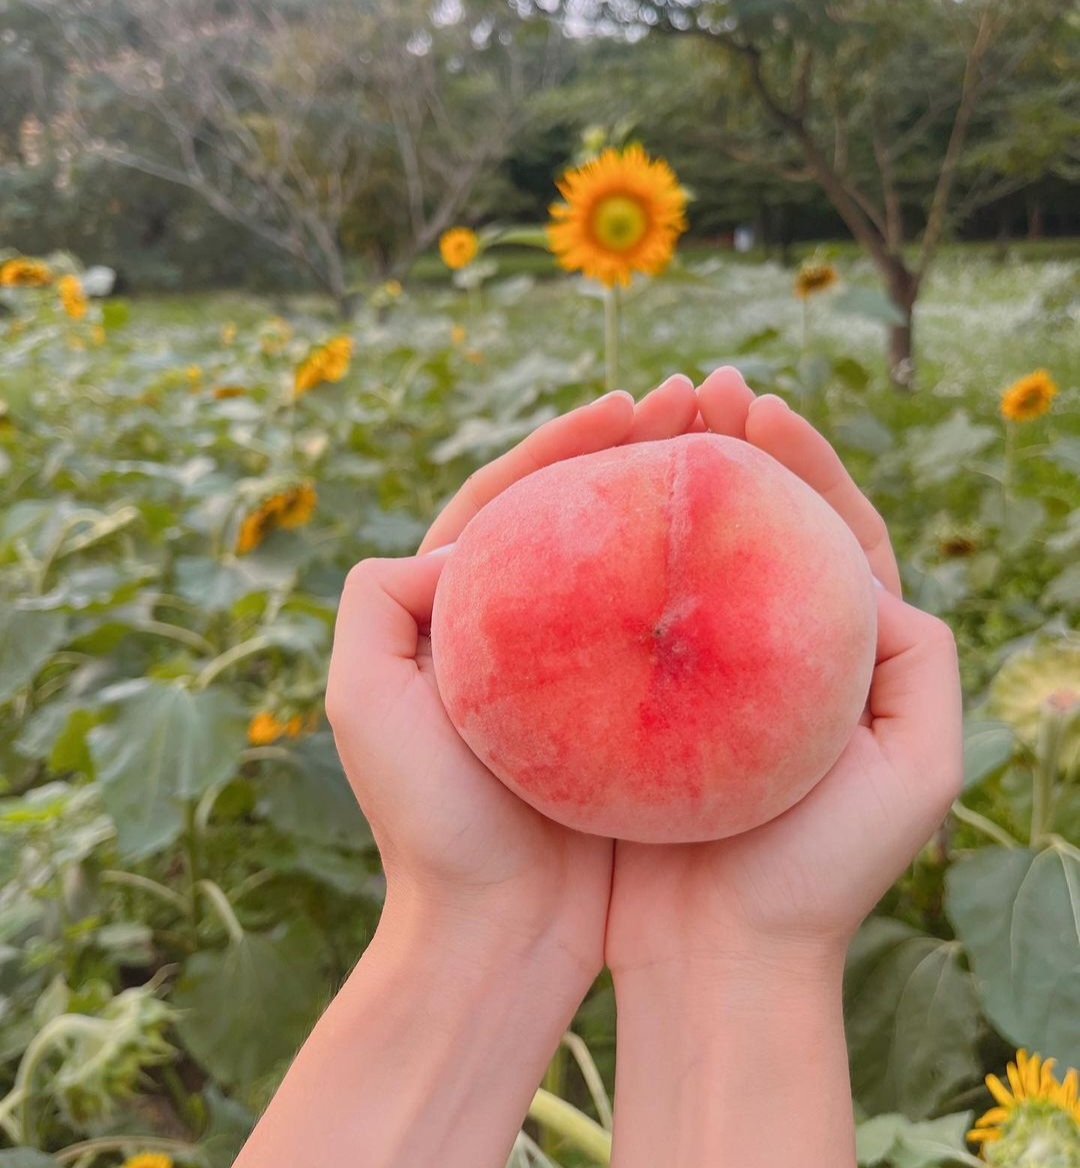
[(668, 642)]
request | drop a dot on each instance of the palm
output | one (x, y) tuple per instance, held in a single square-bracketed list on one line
[(473, 828)]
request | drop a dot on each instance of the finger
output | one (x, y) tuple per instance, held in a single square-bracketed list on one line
[(384, 606), (603, 423), (669, 410), (915, 697), (791, 440), (724, 398)]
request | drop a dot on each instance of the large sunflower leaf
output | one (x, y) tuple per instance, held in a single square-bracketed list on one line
[(912, 1019), (27, 641), (167, 746), (1017, 912), (248, 1007)]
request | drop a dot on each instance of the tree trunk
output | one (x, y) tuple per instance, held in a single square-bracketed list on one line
[(901, 354), (903, 288), (1034, 217)]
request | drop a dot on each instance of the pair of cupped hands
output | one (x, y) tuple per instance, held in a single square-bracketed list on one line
[(465, 855)]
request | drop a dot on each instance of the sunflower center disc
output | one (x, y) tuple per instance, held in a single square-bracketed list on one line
[(619, 223)]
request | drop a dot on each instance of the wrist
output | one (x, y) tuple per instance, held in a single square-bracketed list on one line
[(713, 1048), (487, 939), (431, 1050), (742, 961)]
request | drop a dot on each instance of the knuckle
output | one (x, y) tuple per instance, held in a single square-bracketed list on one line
[(941, 636), (362, 575), (876, 529)]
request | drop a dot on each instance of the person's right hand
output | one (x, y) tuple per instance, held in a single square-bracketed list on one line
[(727, 956), (808, 877)]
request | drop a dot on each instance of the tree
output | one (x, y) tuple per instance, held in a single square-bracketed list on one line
[(297, 118), (871, 100)]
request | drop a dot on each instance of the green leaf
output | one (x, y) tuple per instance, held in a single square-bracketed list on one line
[(229, 1125), (864, 432), (26, 1158), (97, 587), (1064, 589), (1065, 451), (876, 1138), (248, 1007), (758, 340), (311, 798), (27, 641), (216, 586), (937, 452), (936, 1142), (900, 1142), (1017, 912), (988, 746), (912, 1019), (166, 747), (340, 870), (869, 303), (851, 373)]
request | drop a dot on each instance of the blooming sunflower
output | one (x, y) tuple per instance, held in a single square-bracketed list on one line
[(265, 727), (148, 1160), (23, 273), (458, 247), (1036, 1124), (329, 362), (1029, 397), (72, 296), (812, 278), (1037, 682), (291, 507), (623, 213)]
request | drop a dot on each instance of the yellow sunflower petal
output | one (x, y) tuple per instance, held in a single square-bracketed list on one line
[(993, 1117), (1070, 1089), (996, 1088)]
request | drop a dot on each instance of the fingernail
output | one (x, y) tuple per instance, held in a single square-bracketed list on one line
[(445, 550), (879, 583), (678, 377), (767, 397), (613, 393)]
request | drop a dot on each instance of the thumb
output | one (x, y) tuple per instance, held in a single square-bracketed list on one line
[(385, 606)]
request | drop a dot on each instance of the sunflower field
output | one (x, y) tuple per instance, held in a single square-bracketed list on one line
[(185, 484)]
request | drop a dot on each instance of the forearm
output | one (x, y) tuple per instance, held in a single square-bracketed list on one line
[(737, 1065), (431, 1052)]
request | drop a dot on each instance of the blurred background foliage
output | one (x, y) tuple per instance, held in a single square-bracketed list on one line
[(282, 379)]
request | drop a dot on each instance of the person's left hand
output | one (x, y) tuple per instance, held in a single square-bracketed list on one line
[(461, 853)]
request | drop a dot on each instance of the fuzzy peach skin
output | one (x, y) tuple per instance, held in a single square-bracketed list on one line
[(665, 642)]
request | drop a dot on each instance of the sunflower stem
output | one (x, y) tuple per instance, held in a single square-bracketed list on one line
[(554, 1084), (611, 338), (987, 826), (1042, 787), (577, 1129), (1007, 473)]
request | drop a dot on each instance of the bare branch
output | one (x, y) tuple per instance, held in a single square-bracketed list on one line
[(935, 220)]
